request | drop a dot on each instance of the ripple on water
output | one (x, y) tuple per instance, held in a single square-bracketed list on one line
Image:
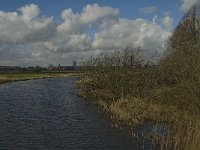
[(46, 114)]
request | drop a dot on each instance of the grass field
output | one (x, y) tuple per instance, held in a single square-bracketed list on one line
[(21, 76)]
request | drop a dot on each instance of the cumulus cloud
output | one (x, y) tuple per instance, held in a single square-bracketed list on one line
[(131, 33), (187, 4), (24, 26), (28, 38), (148, 10), (29, 11), (94, 13), (167, 21), (68, 42), (90, 15)]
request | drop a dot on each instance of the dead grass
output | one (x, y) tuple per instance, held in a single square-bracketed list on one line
[(135, 91)]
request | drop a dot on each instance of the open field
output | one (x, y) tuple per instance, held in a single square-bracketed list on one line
[(21, 76)]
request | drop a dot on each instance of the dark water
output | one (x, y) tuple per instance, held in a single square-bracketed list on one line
[(46, 114)]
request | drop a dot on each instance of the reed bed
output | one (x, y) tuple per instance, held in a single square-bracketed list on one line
[(166, 92)]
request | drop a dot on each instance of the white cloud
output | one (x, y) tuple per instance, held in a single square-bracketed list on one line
[(29, 11), (24, 27), (187, 4), (148, 10), (27, 38), (154, 20), (131, 33), (94, 13), (71, 21), (90, 15), (167, 21), (68, 42)]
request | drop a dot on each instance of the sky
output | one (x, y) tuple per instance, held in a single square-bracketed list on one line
[(43, 32)]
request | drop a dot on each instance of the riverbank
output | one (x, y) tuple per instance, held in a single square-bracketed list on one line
[(163, 94), (167, 106), (22, 76), (136, 88)]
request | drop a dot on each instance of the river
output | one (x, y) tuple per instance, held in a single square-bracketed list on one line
[(47, 114)]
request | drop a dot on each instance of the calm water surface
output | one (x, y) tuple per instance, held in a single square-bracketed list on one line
[(46, 114)]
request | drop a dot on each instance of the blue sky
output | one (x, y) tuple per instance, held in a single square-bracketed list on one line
[(42, 32)]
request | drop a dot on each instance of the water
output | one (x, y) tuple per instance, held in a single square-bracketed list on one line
[(47, 114)]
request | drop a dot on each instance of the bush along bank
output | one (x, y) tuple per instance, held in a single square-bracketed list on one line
[(166, 92)]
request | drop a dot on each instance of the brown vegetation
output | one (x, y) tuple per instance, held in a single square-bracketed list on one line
[(135, 91)]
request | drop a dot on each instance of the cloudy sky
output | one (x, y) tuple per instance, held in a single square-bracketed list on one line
[(42, 32)]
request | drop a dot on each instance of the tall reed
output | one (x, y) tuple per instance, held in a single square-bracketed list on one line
[(168, 92)]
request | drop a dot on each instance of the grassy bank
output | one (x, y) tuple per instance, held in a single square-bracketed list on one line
[(21, 76), (135, 91), (138, 95)]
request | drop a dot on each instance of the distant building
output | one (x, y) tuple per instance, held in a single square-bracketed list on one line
[(62, 68), (51, 67), (74, 64)]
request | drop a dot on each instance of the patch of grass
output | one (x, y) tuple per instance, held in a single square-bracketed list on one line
[(20, 76)]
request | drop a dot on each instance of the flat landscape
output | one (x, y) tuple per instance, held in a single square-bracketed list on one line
[(100, 74), (21, 76)]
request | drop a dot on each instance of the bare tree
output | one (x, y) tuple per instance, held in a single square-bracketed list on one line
[(183, 49)]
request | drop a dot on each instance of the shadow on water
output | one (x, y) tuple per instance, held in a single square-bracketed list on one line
[(47, 114)]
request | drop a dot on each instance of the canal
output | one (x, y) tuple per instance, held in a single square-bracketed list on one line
[(47, 114)]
